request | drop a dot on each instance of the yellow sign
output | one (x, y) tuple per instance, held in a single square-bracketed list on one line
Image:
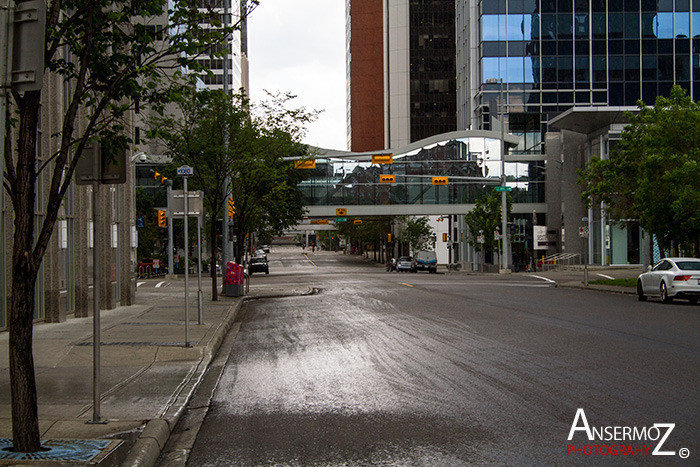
[(307, 164), (440, 180), (231, 208), (357, 221), (383, 159), (319, 221), (387, 179), (162, 220), (341, 211)]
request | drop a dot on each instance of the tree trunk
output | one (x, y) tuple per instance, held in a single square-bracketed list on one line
[(25, 418), (212, 263)]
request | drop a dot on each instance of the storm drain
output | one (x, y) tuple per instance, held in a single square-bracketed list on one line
[(73, 450)]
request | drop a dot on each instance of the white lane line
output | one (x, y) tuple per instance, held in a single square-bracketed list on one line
[(543, 278), (139, 284), (159, 284), (606, 276)]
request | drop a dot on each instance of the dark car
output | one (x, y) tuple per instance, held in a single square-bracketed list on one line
[(258, 264), (265, 248)]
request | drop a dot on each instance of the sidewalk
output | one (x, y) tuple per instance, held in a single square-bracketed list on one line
[(147, 376)]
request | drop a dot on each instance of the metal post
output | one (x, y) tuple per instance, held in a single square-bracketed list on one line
[(169, 212), (504, 203), (96, 338), (200, 319), (585, 275), (187, 264)]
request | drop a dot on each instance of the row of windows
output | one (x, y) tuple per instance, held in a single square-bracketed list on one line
[(596, 47), (599, 69), (517, 27), (216, 79), (597, 6)]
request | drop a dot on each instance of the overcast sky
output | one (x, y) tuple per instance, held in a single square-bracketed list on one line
[(298, 46)]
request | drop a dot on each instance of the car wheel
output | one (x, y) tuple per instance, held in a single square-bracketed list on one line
[(640, 292), (267, 271), (664, 294), (693, 300)]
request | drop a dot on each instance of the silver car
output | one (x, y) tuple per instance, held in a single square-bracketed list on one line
[(671, 278), (405, 263)]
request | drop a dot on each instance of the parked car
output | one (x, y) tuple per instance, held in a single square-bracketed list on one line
[(265, 248), (258, 264), (425, 261), (671, 278), (405, 263), (259, 253)]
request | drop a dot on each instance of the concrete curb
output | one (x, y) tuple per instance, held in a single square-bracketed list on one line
[(599, 288), (150, 443)]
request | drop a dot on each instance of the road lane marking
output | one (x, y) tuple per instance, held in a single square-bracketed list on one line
[(160, 284), (139, 284), (403, 283), (543, 278), (606, 276), (307, 257)]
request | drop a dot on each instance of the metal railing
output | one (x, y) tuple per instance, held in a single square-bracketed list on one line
[(559, 260)]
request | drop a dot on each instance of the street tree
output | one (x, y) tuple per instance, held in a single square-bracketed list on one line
[(236, 154), (484, 219), (654, 173), (109, 57), (416, 232)]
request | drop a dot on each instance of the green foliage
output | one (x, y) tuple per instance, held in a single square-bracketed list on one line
[(654, 175), (222, 140), (484, 219), (370, 231), (416, 232)]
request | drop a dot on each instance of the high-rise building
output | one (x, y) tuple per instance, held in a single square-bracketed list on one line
[(401, 71), (568, 69)]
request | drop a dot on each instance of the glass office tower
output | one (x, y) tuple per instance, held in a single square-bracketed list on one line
[(555, 54)]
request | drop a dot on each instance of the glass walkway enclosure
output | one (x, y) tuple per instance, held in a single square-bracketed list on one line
[(470, 159)]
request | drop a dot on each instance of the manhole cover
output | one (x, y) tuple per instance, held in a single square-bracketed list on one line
[(77, 450)]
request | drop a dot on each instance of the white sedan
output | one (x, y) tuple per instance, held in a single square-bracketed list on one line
[(671, 278)]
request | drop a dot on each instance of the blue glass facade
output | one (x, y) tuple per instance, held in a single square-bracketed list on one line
[(553, 54)]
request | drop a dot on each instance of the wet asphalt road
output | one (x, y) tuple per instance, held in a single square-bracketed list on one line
[(449, 369)]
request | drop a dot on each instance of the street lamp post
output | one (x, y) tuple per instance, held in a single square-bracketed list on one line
[(504, 204)]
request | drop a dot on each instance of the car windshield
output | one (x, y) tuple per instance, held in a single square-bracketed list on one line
[(405, 258), (688, 265)]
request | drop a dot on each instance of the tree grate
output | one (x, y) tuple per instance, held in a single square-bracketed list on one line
[(74, 450)]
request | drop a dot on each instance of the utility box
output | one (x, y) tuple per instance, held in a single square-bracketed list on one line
[(233, 287)]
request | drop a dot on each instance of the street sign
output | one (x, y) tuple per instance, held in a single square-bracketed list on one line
[(195, 204), (583, 231), (185, 171), (341, 219), (357, 221), (382, 159), (440, 180), (387, 179), (481, 239), (503, 188), (319, 221), (140, 223), (341, 211), (308, 164)]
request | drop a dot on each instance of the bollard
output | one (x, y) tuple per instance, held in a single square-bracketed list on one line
[(585, 275)]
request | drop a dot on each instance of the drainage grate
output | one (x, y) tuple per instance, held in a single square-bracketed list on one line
[(146, 344), (76, 450)]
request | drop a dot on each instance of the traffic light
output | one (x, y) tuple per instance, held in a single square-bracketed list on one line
[(231, 208), (158, 176), (444, 237), (501, 211), (388, 237), (162, 220)]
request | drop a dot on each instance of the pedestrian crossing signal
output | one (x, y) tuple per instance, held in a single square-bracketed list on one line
[(162, 220)]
